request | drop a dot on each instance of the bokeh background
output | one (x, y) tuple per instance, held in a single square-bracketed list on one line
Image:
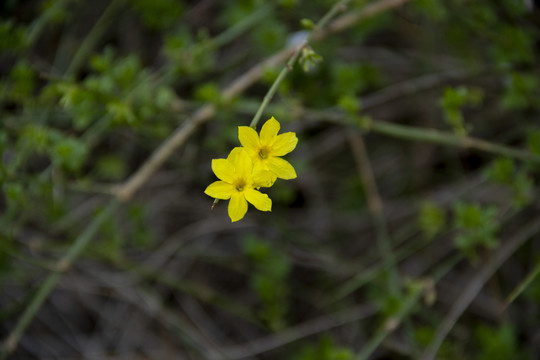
[(411, 232)]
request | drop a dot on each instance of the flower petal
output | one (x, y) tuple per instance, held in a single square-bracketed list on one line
[(223, 169), (281, 168), (284, 144), (220, 190), (259, 200), (249, 138), (263, 178), (269, 131), (233, 155), (242, 162), (237, 207)]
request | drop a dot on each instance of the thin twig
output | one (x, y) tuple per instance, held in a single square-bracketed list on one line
[(476, 284), (434, 136), (338, 7), (446, 138), (93, 37), (522, 286), (52, 279), (405, 310), (375, 206), (306, 329)]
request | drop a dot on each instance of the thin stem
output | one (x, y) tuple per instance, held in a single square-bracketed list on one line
[(375, 206), (476, 284), (239, 28), (92, 38), (52, 279), (434, 136), (445, 138), (414, 297), (523, 285), (334, 10)]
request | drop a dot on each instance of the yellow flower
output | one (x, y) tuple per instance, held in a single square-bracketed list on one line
[(238, 182), (265, 150)]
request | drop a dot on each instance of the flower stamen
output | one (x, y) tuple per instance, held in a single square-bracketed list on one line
[(240, 185), (263, 152)]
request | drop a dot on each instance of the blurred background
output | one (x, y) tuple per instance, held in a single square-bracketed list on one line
[(411, 232)]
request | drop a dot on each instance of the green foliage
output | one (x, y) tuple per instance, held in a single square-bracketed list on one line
[(208, 93), (498, 344), (20, 84), (521, 91), (119, 89), (533, 141), (111, 167), (352, 79), (269, 36), (189, 55), (449, 350), (141, 234), (512, 44), (309, 59), (12, 37), (432, 8), (324, 350), (65, 152), (237, 10), (158, 14), (432, 219), (69, 153), (350, 104), (269, 280), (503, 171), (55, 11), (452, 102), (477, 226)]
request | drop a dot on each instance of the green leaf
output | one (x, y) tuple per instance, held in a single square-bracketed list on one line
[(431, 219), (477, 226), (533, 141)]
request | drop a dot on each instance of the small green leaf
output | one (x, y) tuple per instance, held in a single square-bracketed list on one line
[(431, 219)]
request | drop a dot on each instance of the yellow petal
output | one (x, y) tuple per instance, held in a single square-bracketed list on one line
[(237, 207), (223, 169), (260, 201), (242, 162), (263, 178), (249, 138), (284, 144), (269, 131), (233, 155), (220, 190), (281, 168)]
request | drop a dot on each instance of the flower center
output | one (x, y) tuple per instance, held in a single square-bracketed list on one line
[(240, 184), (263, 152)]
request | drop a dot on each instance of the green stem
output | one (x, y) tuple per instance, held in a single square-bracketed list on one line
[(445, 138), (92, 38), (52, 279), (273, 90), (334, 10), (239, 28), (389, 326), (523, 285), (434, 136)]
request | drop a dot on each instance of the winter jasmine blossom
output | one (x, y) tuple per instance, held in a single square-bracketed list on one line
[(239, 182), (267, 148)]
